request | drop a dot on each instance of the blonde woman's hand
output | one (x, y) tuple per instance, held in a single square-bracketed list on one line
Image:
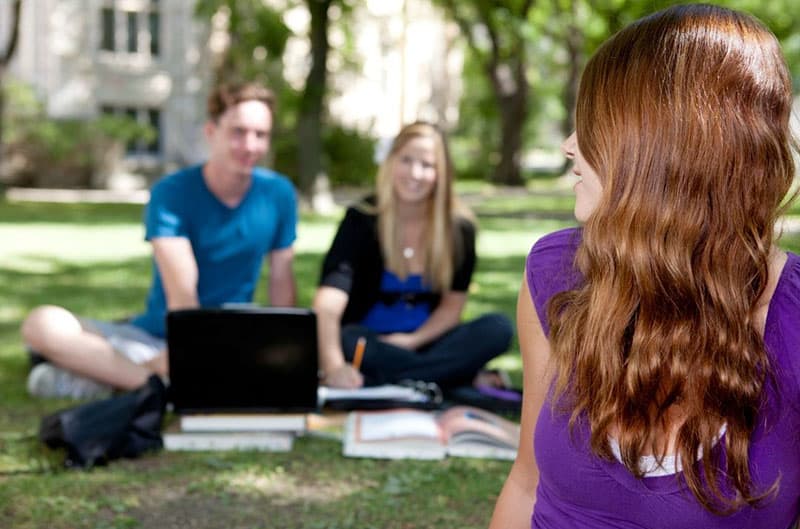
[(405, 340), (343, 376)]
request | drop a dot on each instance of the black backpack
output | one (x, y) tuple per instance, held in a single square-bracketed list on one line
[(95, 433)]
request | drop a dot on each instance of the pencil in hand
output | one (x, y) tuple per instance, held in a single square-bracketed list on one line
[(358, 355)]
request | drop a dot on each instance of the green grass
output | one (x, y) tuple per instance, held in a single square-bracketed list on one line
[(91, 259)]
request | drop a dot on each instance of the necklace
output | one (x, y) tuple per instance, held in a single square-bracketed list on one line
[(408, 252)]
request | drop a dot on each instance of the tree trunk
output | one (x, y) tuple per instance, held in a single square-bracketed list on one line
[(512, 100), (509, 170), (2, 121), (309, 127), (5, 59)]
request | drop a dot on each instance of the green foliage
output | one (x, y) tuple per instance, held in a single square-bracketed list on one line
[(27, 121), (71, 140), (473, 141), (123, 128), (475, 145), (497, 37), (21, 99), (349, 156), (546, 32), (257, 35), (71, 147)]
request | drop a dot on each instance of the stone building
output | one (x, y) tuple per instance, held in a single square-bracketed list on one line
[(151, 60)]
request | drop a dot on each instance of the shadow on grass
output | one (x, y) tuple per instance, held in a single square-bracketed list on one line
[(367, 493), (312, 487)]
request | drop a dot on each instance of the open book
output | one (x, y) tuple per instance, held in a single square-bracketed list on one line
[(461, 431)]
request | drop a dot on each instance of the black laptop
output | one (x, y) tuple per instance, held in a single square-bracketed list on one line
[(242, 360)]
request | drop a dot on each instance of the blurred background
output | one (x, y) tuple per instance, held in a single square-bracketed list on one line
[(110, 94)]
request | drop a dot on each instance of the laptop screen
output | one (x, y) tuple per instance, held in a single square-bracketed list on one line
[(242, 360)]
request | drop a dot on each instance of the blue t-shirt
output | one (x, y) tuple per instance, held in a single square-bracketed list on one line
[(403, 312), (229, 244)]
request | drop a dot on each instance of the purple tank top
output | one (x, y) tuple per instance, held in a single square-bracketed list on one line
[(579, 490)]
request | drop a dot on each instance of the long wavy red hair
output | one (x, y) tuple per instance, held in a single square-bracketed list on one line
[(684, 115)]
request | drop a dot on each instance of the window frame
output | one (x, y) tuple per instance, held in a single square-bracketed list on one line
[(130, 33)]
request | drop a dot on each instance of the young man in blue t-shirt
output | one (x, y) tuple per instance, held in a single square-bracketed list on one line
[(210, 226)]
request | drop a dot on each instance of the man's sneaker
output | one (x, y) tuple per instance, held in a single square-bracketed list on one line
[(49, 381), (34, 358)]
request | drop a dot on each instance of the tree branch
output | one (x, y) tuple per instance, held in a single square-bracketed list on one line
[(12, 43), (526, 6)]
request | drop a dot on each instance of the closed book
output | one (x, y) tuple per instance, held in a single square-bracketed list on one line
[(176, 440), (257, 422), (420, 395), (461, 431)]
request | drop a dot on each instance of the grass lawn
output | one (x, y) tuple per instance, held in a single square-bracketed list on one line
[(91, 259)]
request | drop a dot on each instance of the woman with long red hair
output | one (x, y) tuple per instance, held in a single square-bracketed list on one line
[(660, 341)]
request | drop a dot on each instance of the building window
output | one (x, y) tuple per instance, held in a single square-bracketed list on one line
[(154, 25), (154, 120), (107, 27), (145, 116), (133, 32)]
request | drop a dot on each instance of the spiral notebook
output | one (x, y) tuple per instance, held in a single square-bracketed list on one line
[(242, 360)]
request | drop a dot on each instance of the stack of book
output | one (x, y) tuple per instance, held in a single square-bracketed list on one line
[(268, 432)]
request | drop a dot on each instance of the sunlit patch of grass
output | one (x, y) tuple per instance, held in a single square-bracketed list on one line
[(283, 487)]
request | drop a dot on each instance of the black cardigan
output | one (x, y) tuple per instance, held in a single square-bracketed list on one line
[(354, 263)]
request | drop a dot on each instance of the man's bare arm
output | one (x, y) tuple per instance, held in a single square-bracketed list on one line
[(282, 288), (178, 269)]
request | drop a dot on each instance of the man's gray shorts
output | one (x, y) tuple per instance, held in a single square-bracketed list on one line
[(132, 342)]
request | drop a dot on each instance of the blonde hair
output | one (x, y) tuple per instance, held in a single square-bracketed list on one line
[(684, 115), (442, 241)]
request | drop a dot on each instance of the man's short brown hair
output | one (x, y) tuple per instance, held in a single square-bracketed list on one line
[(225, 96)]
